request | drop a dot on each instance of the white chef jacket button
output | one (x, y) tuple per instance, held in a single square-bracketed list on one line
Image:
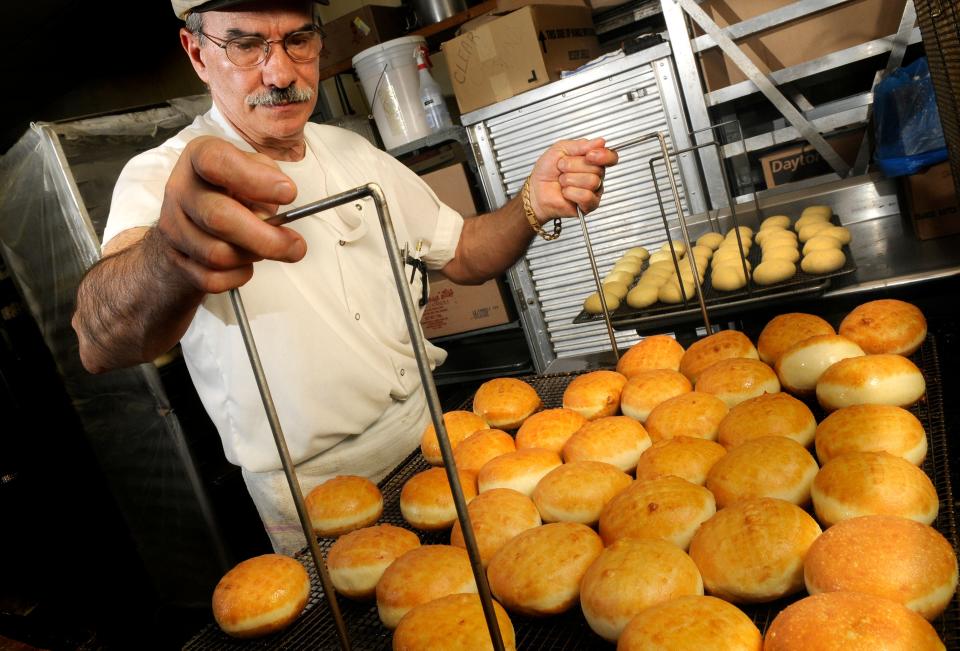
[(358, 206), (342, 243), (357, 316), (403, 372)]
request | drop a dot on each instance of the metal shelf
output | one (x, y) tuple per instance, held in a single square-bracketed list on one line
[(455, 133), (847, 112), (804, 121), (813, 67)]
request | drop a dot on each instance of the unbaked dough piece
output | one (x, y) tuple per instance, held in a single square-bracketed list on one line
[(664, 256), (745, 233), (823, 261), (823, 211), (773, 271), (728, 277), (727, 256), (786, 252), (810, 219), (656, 277), (619, 277), (764, 237), (711, 239), (617, 289), (643, 295), (701, 250), (821, 242), (776, 235), (679, 247), (637, 252), (839, 232), (630, 265), (810, 230), (670, 291), (731, 243), (777, 221), (592, 304)]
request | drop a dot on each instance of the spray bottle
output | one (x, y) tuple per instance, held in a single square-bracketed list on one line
[(430, 96)]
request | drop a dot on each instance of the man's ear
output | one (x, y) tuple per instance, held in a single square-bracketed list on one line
[(191, 45)]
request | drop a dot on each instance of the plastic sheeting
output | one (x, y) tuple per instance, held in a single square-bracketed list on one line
[(55, 188)]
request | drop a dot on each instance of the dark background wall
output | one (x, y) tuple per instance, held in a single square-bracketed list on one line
[(69, 58)]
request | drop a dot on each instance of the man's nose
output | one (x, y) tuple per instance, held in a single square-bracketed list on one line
[(279, 69)]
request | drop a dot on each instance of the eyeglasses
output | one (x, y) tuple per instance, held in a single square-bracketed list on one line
[(251, 51)]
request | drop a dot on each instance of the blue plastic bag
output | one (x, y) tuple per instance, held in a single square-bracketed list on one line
[(908, 131)]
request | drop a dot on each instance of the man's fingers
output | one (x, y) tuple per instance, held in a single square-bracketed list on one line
[(227, 219), (579, 147), (212, 282), (253, 177), (603, 156), (586, 181), (578, 164), (205, 249), (586, 199)]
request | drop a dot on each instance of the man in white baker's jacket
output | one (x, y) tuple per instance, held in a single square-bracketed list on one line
[(186, 225)]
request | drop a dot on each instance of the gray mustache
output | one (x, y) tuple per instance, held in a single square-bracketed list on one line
[(280, 96)]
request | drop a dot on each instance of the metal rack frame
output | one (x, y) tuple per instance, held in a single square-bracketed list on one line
[(804, 121), (369, 191), (801, 283), (676, 198)]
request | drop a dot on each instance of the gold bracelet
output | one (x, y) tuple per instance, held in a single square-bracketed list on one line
[(532, 217)]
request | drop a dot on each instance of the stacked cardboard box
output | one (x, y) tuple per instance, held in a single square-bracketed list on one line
[(500, 56), (354, 32), (797, 162), (796, 41), (932, 202), (453, 308)]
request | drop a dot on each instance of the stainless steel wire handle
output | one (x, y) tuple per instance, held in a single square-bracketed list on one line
[(681, 217), (586, 235), (370, 191)]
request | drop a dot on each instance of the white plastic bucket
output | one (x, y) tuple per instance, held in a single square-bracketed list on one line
[(388, 73)]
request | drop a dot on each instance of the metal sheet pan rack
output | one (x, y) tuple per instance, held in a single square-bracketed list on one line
[(705, 297), (801, 284), (801, 119), (569, 631)]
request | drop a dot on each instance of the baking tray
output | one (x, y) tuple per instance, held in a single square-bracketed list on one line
[(800, 284), (315, 628)]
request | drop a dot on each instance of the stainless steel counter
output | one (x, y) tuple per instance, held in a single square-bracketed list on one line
[(889, 255), (887, 252)]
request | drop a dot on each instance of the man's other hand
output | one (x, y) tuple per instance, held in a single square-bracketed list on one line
[(569, 174)]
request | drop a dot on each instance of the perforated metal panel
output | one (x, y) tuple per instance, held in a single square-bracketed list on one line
[(619, 101)]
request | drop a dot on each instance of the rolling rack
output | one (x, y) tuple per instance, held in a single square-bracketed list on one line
[(625, 317)]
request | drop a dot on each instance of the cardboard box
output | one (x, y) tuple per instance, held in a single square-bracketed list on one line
[(831, 30), (452, 187), (506, 6), (354, 32), (932, 202), (517, 52), (460, 308), (330, 12), (803, 161)]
